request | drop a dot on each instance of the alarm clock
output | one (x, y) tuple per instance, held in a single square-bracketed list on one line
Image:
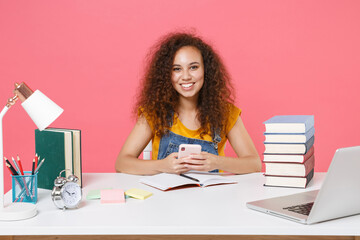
[(66, 192)]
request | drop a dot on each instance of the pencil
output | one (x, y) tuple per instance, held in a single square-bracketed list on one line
[(186, 176), (38, 167), (36, 160), (8, 167), (20, 165), (33, 167), (8, 164), (16, 166)]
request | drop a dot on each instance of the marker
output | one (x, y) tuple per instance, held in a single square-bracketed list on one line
[(186, 176)]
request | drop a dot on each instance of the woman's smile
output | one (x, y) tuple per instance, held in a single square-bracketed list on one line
[(187, 86)]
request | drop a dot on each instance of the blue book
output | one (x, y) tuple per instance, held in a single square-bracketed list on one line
[(289, 137), (289, 124), (288, 148)]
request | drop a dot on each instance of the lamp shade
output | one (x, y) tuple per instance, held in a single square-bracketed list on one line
[(41, 109)]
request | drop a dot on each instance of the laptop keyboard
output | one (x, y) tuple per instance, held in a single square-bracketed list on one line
[(303, 209)]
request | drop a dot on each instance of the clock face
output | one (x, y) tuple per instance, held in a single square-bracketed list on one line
[(71, 194)]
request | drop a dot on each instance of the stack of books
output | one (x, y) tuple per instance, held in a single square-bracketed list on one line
[(289, 152)]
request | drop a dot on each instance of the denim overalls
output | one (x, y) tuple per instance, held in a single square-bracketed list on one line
[(170, 143)]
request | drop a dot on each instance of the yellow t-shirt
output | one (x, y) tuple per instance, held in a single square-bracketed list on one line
[(180, 129)]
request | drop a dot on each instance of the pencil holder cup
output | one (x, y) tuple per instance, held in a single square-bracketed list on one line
[(24, 188)]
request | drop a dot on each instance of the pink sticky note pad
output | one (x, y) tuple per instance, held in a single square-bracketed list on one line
[(112, 196)]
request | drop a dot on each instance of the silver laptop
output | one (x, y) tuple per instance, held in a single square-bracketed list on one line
[(339, 195)]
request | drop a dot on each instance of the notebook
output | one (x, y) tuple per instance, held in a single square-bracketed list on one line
[(339, 195), (166, 181)]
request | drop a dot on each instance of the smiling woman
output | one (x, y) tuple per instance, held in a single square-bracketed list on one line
[(186, 98)]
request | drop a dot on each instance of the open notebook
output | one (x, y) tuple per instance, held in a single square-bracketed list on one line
[(166, 181)]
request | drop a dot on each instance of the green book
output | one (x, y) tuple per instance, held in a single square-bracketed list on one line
[(61, 149)]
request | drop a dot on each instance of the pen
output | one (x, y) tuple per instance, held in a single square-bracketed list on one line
[(38, 167), (186, 176), (20, 165)]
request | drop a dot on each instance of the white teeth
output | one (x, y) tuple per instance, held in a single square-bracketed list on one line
[(187, 85)]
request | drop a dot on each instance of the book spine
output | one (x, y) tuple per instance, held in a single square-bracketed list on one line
[(309, 177), (309, 165), (310, 143), (309, 123)]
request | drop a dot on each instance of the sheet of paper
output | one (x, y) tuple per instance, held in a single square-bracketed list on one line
[(112, 196), (93, 194)]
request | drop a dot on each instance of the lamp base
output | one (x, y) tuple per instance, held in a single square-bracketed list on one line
[(18, 211)]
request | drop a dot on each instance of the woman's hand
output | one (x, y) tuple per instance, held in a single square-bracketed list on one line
[(171, 164), (201, 162)]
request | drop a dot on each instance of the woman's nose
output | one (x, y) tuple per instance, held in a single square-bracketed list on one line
[(186, 75)]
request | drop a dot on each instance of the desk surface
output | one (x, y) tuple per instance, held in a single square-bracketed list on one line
[(216, 210)]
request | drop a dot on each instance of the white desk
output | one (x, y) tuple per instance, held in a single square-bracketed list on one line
[(216, 210)]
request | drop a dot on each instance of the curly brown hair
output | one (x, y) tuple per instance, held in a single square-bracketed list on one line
[(158, 99)]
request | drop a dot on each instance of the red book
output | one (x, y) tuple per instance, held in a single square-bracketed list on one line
[(290, 169)]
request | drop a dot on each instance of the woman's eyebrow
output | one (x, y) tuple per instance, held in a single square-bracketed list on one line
[(179, 65)]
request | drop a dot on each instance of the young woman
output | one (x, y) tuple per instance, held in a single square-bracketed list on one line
[(186, 98)]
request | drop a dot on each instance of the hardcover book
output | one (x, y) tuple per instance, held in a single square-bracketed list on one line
[(77, 162), (282, 181), (61, 149), (290, 169), (288, 148), (295, 158), (289, 124), (289, 137)]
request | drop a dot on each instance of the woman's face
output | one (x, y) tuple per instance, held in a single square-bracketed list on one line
[(188, 72)]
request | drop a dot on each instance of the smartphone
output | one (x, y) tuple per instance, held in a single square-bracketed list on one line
[(187, 149)]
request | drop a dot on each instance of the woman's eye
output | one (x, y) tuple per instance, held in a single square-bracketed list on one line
[(194, 67), (176, 69)]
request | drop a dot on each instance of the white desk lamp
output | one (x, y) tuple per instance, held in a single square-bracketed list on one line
[(43, 112)]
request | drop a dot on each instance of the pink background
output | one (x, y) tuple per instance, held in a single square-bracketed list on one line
[(285, 57)]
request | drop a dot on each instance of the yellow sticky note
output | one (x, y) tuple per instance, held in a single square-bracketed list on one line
[(138, 193)]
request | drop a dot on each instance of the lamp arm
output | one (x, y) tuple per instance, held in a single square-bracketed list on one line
[(6, 108), (23, 91)]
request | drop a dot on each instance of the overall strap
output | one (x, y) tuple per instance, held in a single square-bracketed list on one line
[(216, 138)]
